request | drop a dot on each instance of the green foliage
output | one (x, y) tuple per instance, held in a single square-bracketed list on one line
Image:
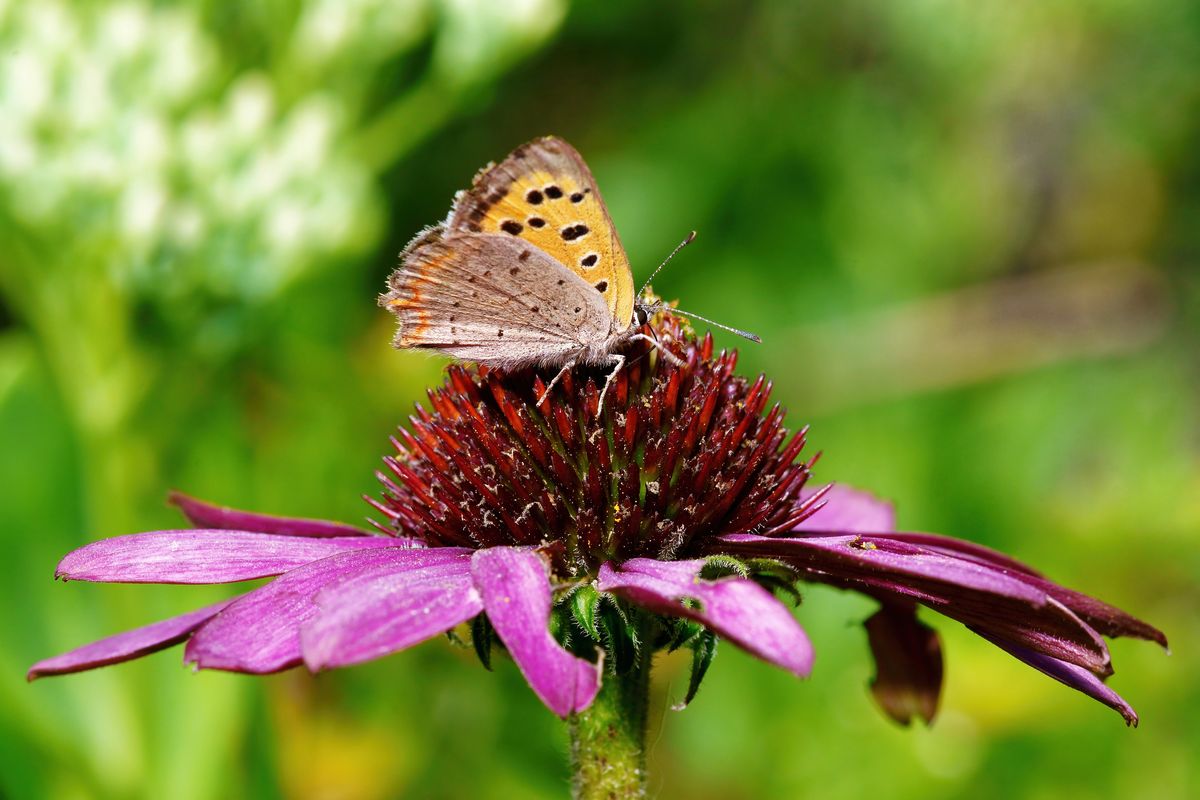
[(965, 231)]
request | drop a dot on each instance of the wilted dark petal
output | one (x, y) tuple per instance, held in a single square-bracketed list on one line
[(203, 556), (1069, 675), (908, 663), (1003, 602), (961, 548), (734, 607), (390, 607), (127, 645), (515, 587), (1108, 620), (847, 510), (207, 515), (1053, 630), (260, 631), (862, 557)]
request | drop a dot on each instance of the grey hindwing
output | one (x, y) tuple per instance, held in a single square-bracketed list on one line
[(494, 299)]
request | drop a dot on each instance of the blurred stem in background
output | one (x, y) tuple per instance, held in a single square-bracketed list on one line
[(81, 323), (168, 174)]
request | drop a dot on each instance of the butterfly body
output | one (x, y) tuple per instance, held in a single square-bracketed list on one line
[(527, 270)]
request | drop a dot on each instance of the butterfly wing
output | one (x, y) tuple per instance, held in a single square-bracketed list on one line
[(493, 299), (544, 194)]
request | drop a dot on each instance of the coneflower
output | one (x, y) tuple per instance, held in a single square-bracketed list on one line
[(584, 543)]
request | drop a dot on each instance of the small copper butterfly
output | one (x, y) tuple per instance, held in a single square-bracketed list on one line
[(527, 270)]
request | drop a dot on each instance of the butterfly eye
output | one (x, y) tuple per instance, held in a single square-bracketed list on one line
[(641, 314)]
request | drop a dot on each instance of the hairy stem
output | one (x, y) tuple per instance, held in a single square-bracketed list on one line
[(608, 740)]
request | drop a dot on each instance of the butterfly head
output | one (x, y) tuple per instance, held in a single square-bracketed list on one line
[(648, 304)]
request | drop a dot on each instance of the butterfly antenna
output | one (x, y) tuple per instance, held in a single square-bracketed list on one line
[(691, 237), (744, 334)]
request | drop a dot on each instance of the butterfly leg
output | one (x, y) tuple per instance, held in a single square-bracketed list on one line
[(546, 392), (667, 354), (619, 361)]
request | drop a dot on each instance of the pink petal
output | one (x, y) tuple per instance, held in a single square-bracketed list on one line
[(260, 632), (1008, 604), (207, 515), (203, 556), (127, 645), (515, 587), (389, 608), (849, 510), (1069, 675), (736, 608)]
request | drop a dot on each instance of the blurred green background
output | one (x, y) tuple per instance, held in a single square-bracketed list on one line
[(968, 233)]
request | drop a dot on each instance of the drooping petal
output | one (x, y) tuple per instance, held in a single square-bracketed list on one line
[(849, 511), (1002, 601), (1053, 630), (127, 645), (260, 632), (1108, 620), (203, 556), (389, 608), (908, 663), (854, 511), (1068, 675), (962, 549), (872, 557), (734, 607), (208, 515), (515, 588)]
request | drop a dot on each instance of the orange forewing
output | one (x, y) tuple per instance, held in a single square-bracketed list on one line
[(545, 194)]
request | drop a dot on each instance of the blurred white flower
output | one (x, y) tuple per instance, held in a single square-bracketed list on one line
[(114, 125), (132, 130)]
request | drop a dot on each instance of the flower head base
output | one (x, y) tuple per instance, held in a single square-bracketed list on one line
[(582, 541), (679, 455)]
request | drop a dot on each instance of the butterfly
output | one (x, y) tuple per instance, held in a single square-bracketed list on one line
[(527, 270)]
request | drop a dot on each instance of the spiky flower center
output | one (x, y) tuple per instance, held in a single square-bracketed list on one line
[(678, 454)]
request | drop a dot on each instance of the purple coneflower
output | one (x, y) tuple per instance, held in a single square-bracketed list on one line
[(585, 544)]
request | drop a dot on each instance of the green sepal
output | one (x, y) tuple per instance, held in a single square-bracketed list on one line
[(585, 606), (704, 650), (716, 567), (618, 635), (483, 635), (769, 566), (682, 632)]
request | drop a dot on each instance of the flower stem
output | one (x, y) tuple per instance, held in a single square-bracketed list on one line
[(608, 740)]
